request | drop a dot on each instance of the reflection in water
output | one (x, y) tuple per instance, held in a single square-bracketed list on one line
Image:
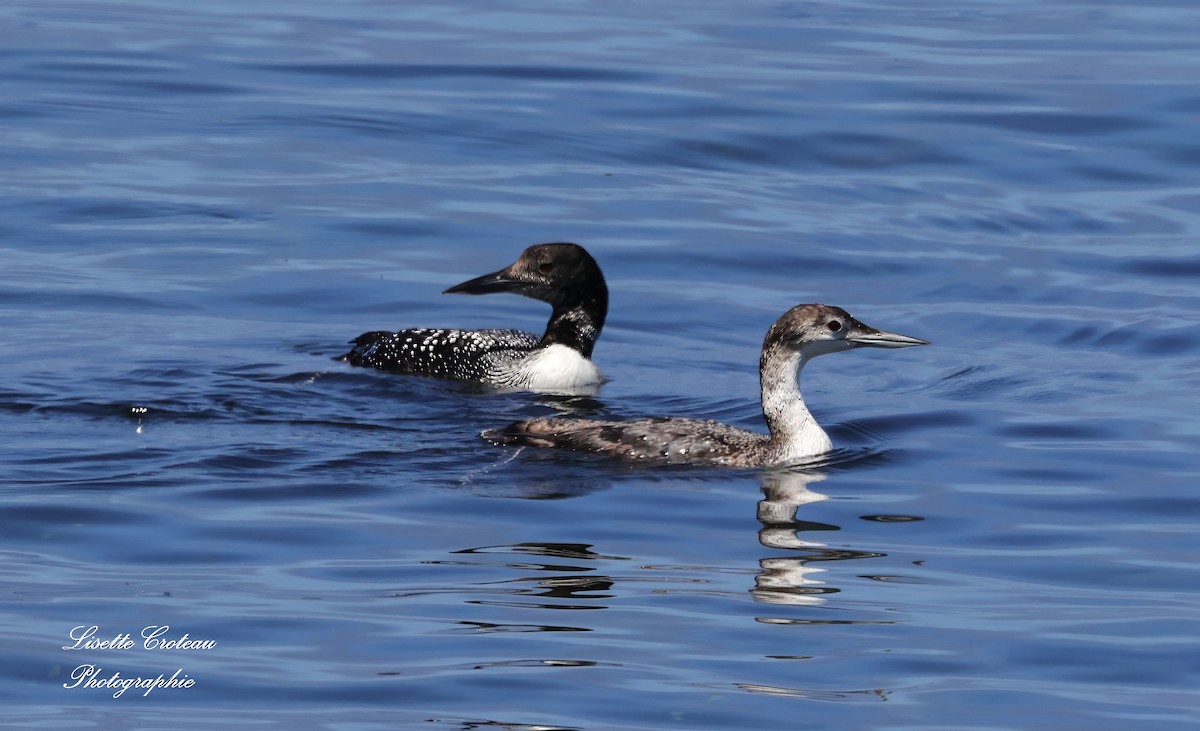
[(466, 725), (787, 580), (795, 578), (492, 627), (571, 405), (876, 694), (784, 491), (581, 590), (790, 579), (579, 551)]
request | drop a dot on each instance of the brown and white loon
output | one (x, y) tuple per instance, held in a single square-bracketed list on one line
[(560, 361), (804, 332)]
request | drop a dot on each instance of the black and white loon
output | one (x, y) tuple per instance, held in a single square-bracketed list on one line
[(803, 333), (560, 361)]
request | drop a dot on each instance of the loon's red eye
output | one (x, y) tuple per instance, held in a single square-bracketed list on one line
[(546, 268), (834, 326)]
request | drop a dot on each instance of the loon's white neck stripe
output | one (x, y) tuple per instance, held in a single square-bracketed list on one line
[(795, 433)]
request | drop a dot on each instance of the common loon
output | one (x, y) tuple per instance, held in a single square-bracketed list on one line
[(561, 274), (804, 332)]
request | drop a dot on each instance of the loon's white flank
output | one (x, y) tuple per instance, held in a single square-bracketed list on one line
[(558, 368)]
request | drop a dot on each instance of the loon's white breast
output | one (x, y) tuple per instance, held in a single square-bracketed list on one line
[(558, 369)]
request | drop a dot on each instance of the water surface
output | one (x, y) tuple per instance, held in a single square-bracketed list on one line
[(202, 203)]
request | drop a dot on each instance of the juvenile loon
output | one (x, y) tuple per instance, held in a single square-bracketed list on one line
[(804, 332), (561, 274)]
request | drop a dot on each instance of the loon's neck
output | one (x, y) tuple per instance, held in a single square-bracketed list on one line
[(795, 434), (578, 324)]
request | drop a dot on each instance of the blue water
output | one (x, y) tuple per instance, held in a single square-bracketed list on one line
[(203, 201)]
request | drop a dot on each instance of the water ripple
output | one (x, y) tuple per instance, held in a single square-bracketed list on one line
[(202, 204), (440, 71)]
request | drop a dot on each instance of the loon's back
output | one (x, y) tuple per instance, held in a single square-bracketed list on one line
[(657, 440), (469, 355)]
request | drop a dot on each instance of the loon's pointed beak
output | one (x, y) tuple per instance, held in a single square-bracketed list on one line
[(869, 337), (501, 281)]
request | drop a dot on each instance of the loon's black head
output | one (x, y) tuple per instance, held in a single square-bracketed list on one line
[(561, 274), (819, 329)]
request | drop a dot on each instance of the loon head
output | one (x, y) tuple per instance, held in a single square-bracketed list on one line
[(819, 329), (561, 274)]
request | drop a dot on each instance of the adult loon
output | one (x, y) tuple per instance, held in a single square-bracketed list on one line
[(804, 332), (561, 274)]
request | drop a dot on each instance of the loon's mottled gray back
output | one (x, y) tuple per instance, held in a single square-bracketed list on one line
[(654, 440)]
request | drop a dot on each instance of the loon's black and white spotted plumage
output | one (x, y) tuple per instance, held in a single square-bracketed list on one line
[(561, 274), (801, 334)]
